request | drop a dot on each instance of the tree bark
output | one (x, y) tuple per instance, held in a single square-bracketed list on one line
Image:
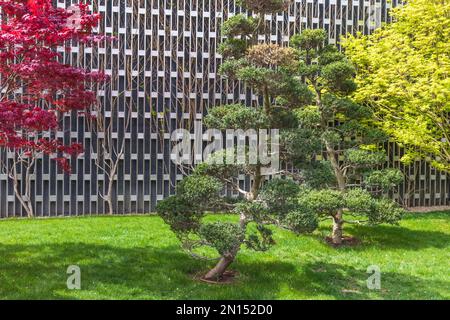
[(217, 272), (108, 197), (111, 179), (109, 203), (332, 156), (267, 102), (336, 236), (256, 184), (24, 199), (25, 202)]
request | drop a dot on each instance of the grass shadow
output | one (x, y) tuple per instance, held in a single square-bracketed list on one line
[(39, 272), (341, 281), (396, 237)]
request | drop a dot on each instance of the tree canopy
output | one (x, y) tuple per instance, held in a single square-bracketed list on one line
[(403, 73), (37, 89)]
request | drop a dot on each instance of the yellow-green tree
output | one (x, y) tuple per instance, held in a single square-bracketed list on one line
[(403, 73)]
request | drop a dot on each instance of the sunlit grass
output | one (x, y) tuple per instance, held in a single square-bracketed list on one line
[(137, 257)]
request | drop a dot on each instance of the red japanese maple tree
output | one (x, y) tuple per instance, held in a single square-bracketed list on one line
[(37, 88)]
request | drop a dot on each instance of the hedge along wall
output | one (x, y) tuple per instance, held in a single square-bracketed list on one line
[(163, 70)]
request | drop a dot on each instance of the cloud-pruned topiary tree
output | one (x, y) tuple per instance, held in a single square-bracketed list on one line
[(348, 179), (201, 193), (269, 70)]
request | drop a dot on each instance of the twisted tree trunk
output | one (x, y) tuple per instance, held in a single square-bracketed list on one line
[(216, 273), (25, 197)]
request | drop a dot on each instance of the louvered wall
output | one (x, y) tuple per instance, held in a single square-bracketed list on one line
[(163, 67)]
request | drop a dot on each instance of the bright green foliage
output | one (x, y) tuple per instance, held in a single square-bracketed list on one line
[(121, 260), (404, 73), (364, 158)]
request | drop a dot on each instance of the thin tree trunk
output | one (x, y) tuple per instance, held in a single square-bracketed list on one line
[(26, 204), (24, 200), (256, 184), (336, 236), (109, 203), (336, 168), (28, 188), (109, 194)]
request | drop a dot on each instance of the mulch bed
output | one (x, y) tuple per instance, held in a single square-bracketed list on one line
[(347, 241), (228, 277)]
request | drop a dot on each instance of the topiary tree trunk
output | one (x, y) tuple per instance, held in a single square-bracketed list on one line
[(337, 232)]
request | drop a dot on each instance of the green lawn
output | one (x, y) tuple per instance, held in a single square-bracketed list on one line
[(137, 257)]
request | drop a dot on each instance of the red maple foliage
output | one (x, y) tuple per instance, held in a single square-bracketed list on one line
[(36, 88)]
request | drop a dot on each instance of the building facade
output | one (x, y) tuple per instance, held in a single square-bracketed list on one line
[(163, 70)]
